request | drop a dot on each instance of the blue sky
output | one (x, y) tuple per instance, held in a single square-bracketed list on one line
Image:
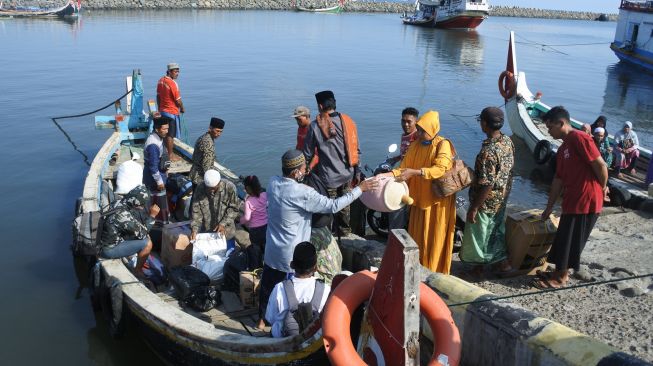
[(598, 6)]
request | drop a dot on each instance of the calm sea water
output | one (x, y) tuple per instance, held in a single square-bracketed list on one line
[(251, 69)]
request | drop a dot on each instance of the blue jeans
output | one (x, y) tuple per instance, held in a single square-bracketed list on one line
[(124, 249)]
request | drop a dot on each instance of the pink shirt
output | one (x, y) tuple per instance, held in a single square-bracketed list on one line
[(256, 211)]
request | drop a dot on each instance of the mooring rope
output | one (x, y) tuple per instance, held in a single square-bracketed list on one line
[(70, 140), (532, 293)]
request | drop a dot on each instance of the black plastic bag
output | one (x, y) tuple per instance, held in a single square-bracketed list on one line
[(247, 259), (186, 280), (204, 298)]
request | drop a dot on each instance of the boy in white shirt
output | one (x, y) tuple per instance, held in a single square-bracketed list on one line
[(304, 263)]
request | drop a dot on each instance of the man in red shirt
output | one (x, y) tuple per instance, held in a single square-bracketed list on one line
[(583, 176), (303, 117), (170, 105)]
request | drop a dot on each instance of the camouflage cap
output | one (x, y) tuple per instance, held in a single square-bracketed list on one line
[(139, 196)]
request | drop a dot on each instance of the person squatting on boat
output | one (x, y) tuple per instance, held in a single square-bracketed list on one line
[(125, 231), (484, 240), (583, 175), (215, 206), (432, 220), (204, 151), (170, 105), (255, 213), (399, 219), (626, 150), (335, 138), (302, 288), (290, 206), (302, 116), (157, 164)]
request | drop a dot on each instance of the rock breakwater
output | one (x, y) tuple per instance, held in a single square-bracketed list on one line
[(352, 6)]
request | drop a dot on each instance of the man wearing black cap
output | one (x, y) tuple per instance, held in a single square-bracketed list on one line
[(335, 138), (156, 165), (290, 206), (304, 287), (484, 242), (204, 153)]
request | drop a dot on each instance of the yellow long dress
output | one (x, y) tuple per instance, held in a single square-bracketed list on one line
[(432, 220)]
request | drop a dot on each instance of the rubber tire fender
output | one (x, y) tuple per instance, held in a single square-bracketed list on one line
[(619, 197), (542, 151), (111, 302)]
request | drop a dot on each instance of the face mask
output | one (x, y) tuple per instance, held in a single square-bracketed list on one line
[(300, 177), (427, 142)]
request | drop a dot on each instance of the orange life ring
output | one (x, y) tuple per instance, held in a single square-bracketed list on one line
[(507, 85), (357, 288)]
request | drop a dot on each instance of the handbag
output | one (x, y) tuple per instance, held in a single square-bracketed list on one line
[(459, 177)]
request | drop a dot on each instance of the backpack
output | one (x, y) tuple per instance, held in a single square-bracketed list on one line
[(87, 232), (301, 315), (247, 259)]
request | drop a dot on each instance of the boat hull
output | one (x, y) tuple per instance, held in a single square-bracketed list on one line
[(633, 57), (460, 22), (69, 10)]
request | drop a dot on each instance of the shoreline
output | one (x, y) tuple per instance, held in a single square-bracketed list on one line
[(285, 5)]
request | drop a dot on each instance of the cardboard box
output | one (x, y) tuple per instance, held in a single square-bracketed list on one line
[(176, 249), (249, 283), (529, 239)]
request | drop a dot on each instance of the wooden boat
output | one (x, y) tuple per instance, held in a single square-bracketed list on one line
[(524, 111), (180, 336), (450, 14), (71, 9), (335, 9), (632, 37)]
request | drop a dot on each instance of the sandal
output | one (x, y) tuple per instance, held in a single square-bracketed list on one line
[(541, 284), (543, 275)]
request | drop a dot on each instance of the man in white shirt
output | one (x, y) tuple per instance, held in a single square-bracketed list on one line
[(304, 263)]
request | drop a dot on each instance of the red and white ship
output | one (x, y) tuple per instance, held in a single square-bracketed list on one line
[(448, 13)]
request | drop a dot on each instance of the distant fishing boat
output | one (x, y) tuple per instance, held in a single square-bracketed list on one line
[(524, 111), (633, 36), (71, 9), (335, 9), (465, 14)]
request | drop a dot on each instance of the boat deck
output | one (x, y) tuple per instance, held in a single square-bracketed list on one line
[(230, 315), (123, 154)]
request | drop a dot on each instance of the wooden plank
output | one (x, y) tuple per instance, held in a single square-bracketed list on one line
[(231, 302), (250, 324), (232, 326), (235, 314)]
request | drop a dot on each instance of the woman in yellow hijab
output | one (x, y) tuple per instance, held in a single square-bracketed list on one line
[(432, 219)]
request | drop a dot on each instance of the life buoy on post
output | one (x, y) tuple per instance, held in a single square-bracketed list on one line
[(357, 288), (507, 85)]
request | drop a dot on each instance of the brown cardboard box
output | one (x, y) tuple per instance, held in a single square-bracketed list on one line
[(249, 282), (529, 239), (176, 249)]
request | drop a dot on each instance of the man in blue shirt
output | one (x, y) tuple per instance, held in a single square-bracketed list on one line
[(156, 165), (290, 206)]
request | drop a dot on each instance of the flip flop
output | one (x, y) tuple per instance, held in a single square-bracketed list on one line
[(543, 275), (540, 284)]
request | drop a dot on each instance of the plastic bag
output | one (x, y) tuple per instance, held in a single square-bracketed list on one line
[(204, 298), (212, 265), (187, 279), (208, 244)]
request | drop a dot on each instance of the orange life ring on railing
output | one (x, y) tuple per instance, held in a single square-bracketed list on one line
[(357, 288), (507, 85)]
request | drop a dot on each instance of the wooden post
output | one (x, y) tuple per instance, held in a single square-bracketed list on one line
[(390, 333)]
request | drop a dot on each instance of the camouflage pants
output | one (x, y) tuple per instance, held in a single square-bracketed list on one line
[(341, 223), (329, 258)]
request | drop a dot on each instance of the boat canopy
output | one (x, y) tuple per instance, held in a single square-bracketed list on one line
[(435, 3)]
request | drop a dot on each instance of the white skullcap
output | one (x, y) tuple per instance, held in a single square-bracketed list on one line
[(211, 178), (135, 156), (629, 124), (599, 130)]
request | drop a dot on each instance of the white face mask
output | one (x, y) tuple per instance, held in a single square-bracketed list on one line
[(299, 177)]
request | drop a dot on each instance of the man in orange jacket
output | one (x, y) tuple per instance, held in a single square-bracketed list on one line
[(334, 137)]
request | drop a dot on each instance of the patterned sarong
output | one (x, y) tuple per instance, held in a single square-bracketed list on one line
[(484, 242)]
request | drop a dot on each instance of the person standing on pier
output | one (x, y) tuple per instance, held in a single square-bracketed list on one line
[(335, 138), (170, 105), (432, 219), (583, 175), (484, 241)]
